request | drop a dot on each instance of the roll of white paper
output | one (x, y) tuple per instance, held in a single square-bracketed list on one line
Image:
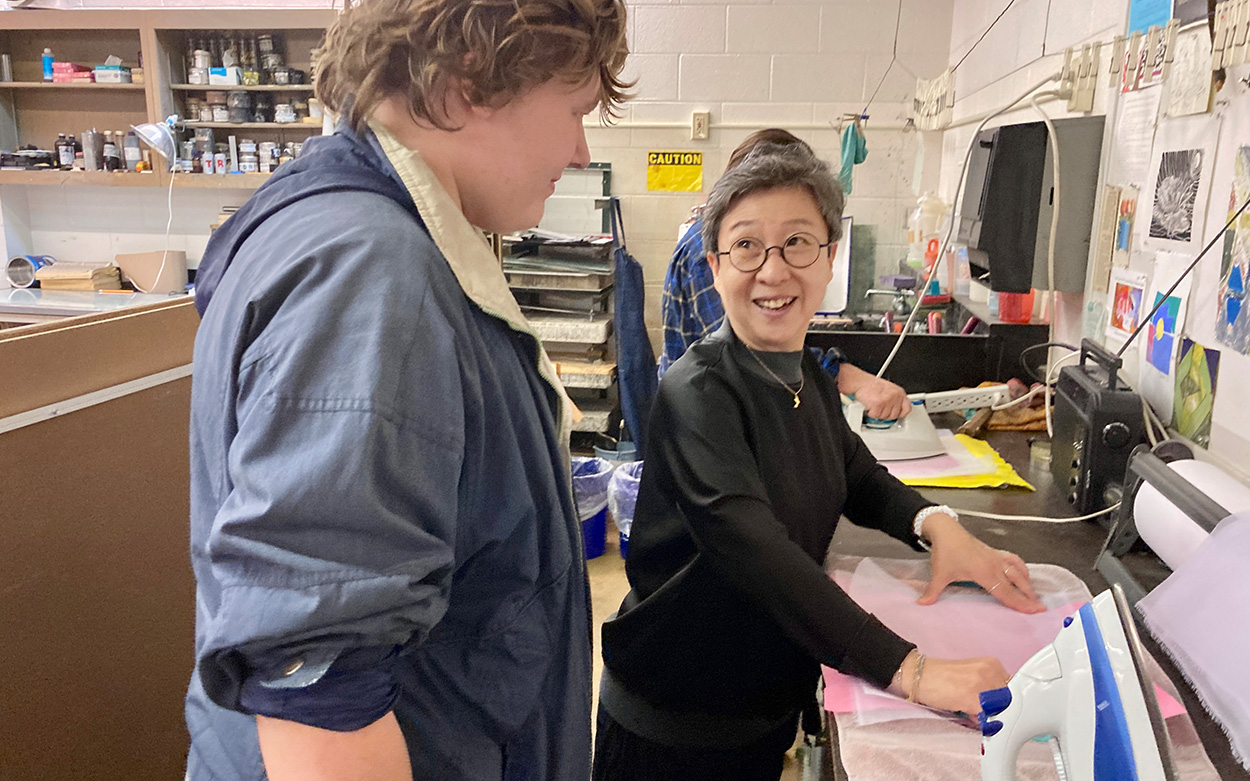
[(1171, 534)]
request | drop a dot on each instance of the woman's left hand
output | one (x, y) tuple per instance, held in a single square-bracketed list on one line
[(956, 555)]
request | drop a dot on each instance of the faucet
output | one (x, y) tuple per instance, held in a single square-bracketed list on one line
[(900, 306)]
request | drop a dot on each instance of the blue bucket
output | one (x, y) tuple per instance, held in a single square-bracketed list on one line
[(595, 533)]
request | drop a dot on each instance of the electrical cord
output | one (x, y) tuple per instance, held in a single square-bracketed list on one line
[(982, 38), (169, 224), (944, 245), (893, 58), (1029, 369), (1039, 518), (1145, 419)]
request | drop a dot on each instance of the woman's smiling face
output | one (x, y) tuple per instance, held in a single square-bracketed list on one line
[(769, 309)]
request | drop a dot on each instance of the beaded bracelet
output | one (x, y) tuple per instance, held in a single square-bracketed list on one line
[(917, 524)]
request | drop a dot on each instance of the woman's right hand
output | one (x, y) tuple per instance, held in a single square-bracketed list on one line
[(953, 684)]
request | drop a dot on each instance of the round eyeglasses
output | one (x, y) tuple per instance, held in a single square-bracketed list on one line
[(799, 251)]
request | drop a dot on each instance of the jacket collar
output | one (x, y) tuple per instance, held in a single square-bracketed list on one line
[(470, 257)]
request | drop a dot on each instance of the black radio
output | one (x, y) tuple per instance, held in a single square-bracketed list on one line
[(1097, 423)]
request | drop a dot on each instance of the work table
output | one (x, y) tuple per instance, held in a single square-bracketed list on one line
[(24, 305), (1073, 546)]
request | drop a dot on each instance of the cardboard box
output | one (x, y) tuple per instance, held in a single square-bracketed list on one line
[(225, 77), (142, 268), (112, 74)]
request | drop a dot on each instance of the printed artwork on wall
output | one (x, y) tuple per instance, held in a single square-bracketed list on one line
[(1161, 331), (1176, 193), (1155, 379), (1232, 322), (1124, 302), (1173, 206), (1124, 226), (1196, 373)]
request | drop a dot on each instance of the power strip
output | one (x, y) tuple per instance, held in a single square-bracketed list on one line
[(967, 398)]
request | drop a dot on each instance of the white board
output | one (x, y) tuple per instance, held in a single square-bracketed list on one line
[(834, 302)]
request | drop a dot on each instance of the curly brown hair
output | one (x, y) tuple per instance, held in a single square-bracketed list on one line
[(493, 50)]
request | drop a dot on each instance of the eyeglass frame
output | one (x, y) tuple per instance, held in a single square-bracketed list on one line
[(781, 250)]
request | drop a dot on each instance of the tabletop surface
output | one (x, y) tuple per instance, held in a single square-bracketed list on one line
[(68, 303), (1073, 546)]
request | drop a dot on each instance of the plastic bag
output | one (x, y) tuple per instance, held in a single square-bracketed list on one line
[(590, 485), (623, 494)]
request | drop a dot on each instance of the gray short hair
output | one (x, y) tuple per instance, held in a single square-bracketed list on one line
[(769, 166)]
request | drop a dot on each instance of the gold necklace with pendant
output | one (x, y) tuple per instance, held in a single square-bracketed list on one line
[(784, 384)]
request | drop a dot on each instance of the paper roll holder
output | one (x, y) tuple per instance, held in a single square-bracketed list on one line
[(1150, 465)]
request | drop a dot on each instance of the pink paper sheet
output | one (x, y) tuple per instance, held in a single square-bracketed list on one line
[(965, 622)]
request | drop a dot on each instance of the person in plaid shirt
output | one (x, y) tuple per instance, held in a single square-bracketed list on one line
[(692, 308)]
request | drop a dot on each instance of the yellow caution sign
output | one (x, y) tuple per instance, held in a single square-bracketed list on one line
[(680, 172)]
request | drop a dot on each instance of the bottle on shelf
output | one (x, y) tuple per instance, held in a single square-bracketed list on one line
[(64, 152), (112, 156), (131, 151), (47, 64)]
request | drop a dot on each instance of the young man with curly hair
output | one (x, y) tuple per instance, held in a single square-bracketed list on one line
[(390, 581)]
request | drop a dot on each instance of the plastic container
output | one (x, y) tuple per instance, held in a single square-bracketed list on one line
[(622, 496), (590, 492), (47, 64), (924, 225), (1015, 307), (622, 453)]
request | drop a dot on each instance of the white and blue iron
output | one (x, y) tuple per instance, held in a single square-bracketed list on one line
[(915, 436), (1087, 692)]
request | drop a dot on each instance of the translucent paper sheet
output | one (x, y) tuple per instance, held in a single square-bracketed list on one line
[(880, 736)]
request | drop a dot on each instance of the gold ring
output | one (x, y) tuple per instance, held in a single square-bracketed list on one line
[(1007, 570), (996, 585)]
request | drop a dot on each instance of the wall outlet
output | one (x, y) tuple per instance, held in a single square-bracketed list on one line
[(699, 125)]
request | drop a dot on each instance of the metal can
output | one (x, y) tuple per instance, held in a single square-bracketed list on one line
[(21, 270), (247, 147), (208, 163), (219, 162), (249, 164)]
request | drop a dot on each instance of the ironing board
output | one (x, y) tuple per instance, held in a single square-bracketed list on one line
[(874, 736)]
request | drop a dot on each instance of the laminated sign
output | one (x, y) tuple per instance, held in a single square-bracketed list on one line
[(680, 172)]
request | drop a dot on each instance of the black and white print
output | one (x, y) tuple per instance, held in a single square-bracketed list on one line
[(1176, 192)]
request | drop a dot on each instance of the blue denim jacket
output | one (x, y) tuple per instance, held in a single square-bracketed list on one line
[(374, 463)]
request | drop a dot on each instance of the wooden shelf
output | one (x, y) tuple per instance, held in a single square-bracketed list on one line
[(221, 181), (24, 85), (301, 126), (244, 88), (70, 178)]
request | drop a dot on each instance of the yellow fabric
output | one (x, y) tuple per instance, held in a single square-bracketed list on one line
[(470, 257), (1002, 476)]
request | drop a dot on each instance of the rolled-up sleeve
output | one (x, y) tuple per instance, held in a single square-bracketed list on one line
[(338, 526)]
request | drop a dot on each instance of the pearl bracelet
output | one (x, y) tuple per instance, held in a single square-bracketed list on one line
[(917, 525)]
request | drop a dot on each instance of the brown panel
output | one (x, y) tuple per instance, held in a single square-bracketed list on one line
[(96, 591), (44, 364)]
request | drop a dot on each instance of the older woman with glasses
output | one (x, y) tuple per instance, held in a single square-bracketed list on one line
[(718, 645)]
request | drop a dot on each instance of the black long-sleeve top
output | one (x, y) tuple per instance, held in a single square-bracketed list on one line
[(731, 612)]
